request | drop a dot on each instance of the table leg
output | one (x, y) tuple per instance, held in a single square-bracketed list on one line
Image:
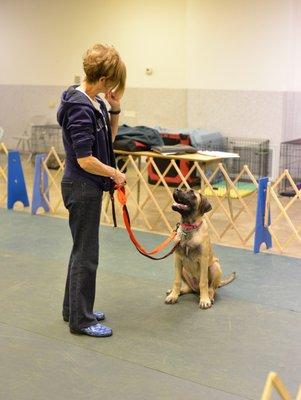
[(207, 167), (204, 168)]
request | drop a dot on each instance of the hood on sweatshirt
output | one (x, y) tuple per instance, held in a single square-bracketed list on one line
[(70, 97)]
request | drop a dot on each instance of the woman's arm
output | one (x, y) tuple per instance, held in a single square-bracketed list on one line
[(94, 166), (114, 118), (114, 100)]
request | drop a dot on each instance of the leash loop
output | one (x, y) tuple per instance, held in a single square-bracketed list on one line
[(121, 196)]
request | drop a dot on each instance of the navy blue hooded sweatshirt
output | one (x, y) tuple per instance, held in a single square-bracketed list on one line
[(86, 131)]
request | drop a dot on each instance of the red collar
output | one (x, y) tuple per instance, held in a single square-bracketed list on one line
[(190, 227)]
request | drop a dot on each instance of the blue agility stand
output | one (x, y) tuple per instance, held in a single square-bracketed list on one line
[(40, 185), (16, 188), (262, 234)]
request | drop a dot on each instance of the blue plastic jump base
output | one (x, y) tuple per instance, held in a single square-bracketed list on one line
[(16, 187), (40, 184), (262, 234)]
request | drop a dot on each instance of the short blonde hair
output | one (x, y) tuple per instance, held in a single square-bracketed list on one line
[(104, 61)]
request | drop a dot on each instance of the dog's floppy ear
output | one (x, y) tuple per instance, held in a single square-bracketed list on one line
[(205, 206)]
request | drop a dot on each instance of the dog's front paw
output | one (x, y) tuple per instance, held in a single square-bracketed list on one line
[(172, 298), (205, 303), (211, 292)]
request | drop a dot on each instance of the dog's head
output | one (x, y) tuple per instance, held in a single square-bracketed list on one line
[(190, 204)]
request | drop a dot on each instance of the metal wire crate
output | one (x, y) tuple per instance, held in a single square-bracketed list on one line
[(43, 137), (253, 152), (290, 159)]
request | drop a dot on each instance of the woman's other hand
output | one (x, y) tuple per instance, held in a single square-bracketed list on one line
[(113, 98)]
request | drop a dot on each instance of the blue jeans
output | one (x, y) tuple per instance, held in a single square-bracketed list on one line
[(83, 201)]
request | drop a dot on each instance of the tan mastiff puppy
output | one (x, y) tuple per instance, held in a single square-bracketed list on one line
[(197, 270)]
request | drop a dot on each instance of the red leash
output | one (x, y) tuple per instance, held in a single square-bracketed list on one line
[(122, 200)]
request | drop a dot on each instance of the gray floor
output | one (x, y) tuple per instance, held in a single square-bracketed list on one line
[(157, 351)]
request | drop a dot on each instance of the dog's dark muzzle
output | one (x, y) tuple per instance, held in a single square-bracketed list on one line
[(183, 200)]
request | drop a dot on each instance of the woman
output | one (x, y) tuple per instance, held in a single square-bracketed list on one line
[(88, 133)]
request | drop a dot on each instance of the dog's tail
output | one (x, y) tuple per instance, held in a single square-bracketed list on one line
[(228, 279)]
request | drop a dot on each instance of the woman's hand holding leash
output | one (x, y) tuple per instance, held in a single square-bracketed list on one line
[(119, 182), (119, 178)]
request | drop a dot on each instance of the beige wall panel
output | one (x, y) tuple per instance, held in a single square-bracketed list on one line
[(156, 107)]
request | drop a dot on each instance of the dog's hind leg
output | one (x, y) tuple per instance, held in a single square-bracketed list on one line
[(185, 289)]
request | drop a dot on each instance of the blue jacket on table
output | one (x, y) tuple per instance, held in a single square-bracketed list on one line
[(86, 131)]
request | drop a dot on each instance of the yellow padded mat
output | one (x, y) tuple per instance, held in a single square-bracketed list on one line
[(220, 188)]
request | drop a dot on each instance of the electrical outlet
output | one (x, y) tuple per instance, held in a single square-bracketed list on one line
[(77, 79)]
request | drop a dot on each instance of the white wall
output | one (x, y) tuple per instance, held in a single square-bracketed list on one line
[(243, 56), (239, 44), (43, 41), (295, 34), (149, 34), (206, 44), (229, 50), (209, 44)]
